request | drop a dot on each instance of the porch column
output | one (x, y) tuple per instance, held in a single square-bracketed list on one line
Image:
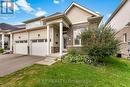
[(11, 41), (48, 39), (61, 38), (3, 36)]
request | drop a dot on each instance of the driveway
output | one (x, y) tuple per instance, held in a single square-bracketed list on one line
[(10, 62)]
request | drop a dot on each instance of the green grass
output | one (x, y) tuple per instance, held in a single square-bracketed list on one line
[(115, 73)]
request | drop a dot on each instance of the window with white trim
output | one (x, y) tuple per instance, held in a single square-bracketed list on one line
[(76, 36), (125, 37)]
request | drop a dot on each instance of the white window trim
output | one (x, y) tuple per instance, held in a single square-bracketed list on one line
[(80, 45), (125, 37)]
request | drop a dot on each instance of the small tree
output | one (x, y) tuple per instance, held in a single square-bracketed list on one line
[(99, 43)]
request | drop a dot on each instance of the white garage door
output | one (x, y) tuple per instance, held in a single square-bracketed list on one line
[(39, 47), (21, 47)]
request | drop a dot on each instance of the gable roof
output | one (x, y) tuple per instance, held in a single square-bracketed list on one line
[(55, 14), (81, 7), (116, 11), (21, 26), (4, 26), (34, 19)]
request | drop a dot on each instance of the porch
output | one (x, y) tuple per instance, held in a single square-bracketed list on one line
[(57, 43), (6, 41)]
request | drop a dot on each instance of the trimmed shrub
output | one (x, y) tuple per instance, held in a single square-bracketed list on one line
[(1, 50)]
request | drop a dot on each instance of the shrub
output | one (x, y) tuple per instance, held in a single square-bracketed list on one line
[(1, 50), (73, 57), (99, 43)]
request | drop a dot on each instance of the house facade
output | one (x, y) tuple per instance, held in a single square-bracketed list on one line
[(6, 35), (120, 21), (55, 33)]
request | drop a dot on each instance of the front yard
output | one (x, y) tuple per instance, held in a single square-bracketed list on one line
[(116, 73)]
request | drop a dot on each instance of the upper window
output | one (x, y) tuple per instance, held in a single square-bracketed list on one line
[(125, 37), (76, 36)]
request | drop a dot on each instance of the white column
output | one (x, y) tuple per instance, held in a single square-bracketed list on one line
[(3, 36), (11, 42), (61, 38), (48, 39)]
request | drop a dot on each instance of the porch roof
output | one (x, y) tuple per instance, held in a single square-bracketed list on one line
[(56, 16), (7, 27)]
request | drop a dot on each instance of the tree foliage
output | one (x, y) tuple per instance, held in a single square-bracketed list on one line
[(99, 43)]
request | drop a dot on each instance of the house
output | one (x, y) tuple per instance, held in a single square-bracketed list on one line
[(55, 33), (120, 21), (5, 35)]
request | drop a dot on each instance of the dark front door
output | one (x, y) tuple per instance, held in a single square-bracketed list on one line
[(65, 43)]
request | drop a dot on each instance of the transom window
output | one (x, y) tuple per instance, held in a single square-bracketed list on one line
[(21, 41), (38, 40)]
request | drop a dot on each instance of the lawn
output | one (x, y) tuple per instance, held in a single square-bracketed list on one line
[(115, 73)]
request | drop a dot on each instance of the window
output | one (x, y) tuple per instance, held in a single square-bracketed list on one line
[(21, 41), (41, 40), (125, 37), (76, 37), (17, 41), (45, 40), (25, 41), (34, 41)]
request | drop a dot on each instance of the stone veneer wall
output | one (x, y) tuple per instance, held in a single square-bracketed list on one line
[(123, 45), (55, 49), (78, 26), (70, 33)]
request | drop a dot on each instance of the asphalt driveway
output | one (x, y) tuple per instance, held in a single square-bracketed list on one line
[(10, 63)]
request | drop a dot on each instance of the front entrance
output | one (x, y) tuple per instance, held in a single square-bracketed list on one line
[(65, 43), (65, 38)]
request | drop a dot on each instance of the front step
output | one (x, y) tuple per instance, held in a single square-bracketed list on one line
[(57, 55), (48, 61), (7, 52)]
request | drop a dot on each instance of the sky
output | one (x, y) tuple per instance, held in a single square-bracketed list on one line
[(27, 9)]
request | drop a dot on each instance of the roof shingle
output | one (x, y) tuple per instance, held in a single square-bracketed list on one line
[(4, 26)]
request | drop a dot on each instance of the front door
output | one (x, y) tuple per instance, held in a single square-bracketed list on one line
[(65, 40), (65, 43)]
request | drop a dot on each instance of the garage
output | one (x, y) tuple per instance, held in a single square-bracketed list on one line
[(21, 47), (20, 43), (33, 42), (39, 47)]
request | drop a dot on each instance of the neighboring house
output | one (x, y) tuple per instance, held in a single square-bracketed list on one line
[(55, 33), (5, 35), (120, 21)]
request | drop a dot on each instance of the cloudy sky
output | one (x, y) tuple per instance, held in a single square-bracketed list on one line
[(27, 9)]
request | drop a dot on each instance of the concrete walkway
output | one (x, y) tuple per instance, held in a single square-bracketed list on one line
[(48, 61), (51, 59)]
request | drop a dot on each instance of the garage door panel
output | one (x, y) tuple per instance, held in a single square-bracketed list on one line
[(39, 47), (21, 47)]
